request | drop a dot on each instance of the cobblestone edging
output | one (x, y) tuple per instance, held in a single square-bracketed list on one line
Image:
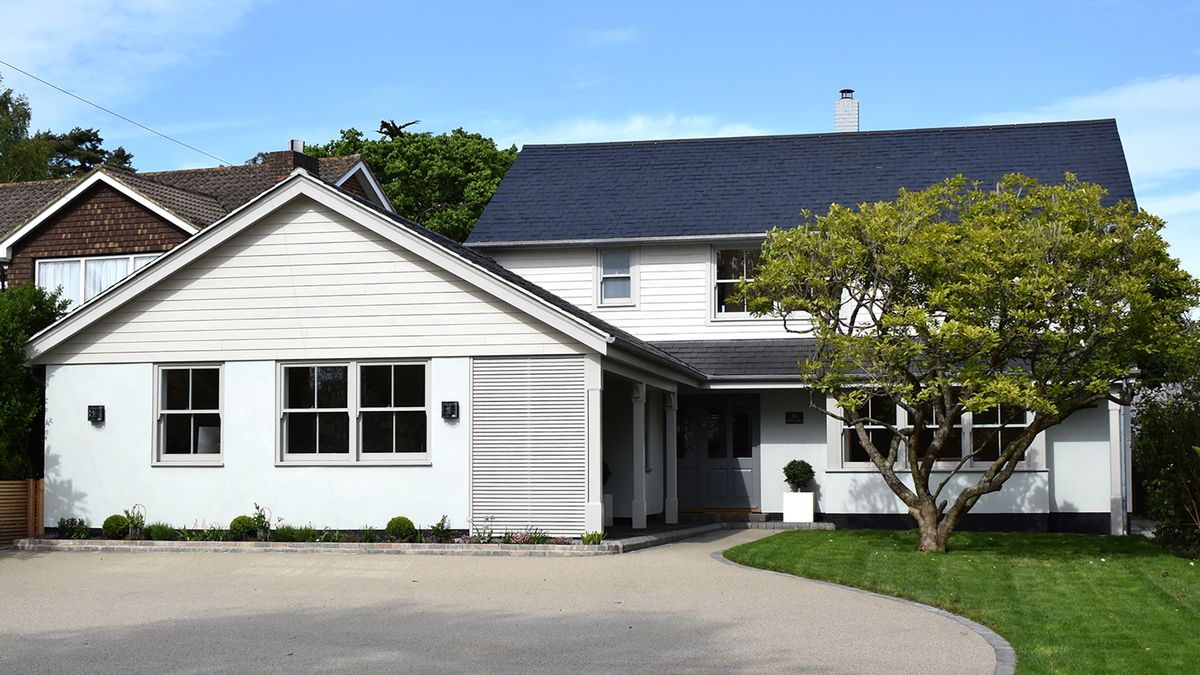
[(386, 548), (609, 547), (1006, 656)]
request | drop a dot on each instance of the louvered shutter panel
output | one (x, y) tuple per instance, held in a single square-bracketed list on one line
[(529, 443)]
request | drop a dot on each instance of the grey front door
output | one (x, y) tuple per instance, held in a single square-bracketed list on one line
[(717, 452)]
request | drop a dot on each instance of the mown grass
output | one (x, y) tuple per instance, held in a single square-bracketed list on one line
[(1066, 602)]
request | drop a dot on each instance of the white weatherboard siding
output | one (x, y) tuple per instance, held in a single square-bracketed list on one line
[(529, 444), (675, 296), (307, 283), (94, 471)]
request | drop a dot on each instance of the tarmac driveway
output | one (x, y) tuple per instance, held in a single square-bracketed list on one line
[(666, 609)]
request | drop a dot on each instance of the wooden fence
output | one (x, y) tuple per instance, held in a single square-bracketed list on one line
[(22, 504)]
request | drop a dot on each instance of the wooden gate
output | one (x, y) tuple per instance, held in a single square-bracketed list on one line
[(21, 509)]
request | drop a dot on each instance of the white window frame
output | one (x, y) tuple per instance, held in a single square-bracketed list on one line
[(836, 455), (130, 258), (354, 409), (632, 300), (394, 456), (160, 458), (714, 310)]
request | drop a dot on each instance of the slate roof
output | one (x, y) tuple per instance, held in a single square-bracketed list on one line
[(200, 197), (776, 358), (733, 186)]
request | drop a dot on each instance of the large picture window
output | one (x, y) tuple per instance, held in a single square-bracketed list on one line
[(983, 434), (189, 413), (733, 265), (354, 412), (82, 279)]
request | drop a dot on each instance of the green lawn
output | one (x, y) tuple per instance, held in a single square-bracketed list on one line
[(1066, 602)]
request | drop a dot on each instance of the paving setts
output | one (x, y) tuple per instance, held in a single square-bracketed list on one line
[(665, 609)]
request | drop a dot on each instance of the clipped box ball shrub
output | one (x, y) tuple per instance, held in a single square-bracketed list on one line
[(401, 529), (243, 528), (115, 526)]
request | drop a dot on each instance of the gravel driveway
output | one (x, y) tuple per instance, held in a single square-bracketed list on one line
[(666, 609)]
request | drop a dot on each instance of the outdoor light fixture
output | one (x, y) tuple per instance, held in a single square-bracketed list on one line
[(449, 410), (96, 414)]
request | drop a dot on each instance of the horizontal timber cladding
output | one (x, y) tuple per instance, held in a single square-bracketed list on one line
[(529, 444), (307, 283)]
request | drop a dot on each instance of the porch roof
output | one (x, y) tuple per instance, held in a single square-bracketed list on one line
[(744, 359)]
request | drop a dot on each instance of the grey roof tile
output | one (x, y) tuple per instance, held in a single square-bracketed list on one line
[(732, 186)]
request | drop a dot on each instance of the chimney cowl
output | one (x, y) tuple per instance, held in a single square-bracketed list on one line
[(846, 93)]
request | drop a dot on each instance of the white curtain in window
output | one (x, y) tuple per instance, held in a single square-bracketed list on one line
[(100, 274), (140, 261), (52, 275)]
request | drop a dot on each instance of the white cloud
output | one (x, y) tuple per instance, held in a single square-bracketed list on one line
[(611, 36), (107, 51), (632, 128), (1159, 120)]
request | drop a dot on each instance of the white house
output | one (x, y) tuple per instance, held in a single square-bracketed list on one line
[(317, 354)]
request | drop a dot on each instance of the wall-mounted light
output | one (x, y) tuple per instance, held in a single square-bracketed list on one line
[(449, 410), (96, 414)]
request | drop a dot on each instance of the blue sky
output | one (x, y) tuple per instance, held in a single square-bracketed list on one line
[(235, 77)]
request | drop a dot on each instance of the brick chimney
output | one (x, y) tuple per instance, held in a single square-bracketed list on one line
[(845, 112), (282, 163)]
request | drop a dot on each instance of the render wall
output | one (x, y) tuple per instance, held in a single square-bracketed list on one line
[(94, 471), (1074, 479)]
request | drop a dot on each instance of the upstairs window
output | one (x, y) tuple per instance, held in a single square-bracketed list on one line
[(616, 278), (733, 265), (82, 279)]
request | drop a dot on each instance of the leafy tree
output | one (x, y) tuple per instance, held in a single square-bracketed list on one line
[(25, 309), (21, 157), (1166, 453), (442, 181), (78, 151), (956, 298)]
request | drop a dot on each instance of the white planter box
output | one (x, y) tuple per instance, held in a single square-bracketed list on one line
[(608, 516), (797, 507)]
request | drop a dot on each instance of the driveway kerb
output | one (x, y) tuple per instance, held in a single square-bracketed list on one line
[(1006, 656)]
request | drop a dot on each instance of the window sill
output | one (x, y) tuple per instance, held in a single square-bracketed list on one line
[(347, 463), (617, 305), (740, 318), (210, 464), (903, 470)]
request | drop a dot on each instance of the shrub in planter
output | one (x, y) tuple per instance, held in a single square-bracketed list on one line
[(401, 529), (293, 533), (369, 535), (115, 526), (798, 474), (161, 532), (242, 528), (439, 532)]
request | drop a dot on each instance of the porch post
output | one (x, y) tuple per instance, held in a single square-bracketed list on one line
[(593, 511), (1116, 477), (671, 506), (639, 455)]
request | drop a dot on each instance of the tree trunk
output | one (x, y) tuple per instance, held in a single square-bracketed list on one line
[(934, 534)]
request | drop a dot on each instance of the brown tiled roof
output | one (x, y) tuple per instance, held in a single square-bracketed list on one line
[(198, 196)]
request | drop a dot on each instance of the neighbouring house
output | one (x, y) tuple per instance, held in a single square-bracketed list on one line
[(83, 235), (314, 352)]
